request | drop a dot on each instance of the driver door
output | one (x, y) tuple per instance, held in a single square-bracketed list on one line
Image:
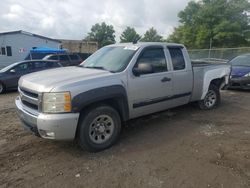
[(151, 92), (16, 72)]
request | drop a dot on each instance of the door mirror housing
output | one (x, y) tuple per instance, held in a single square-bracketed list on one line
[(12, 71), (143, 68)]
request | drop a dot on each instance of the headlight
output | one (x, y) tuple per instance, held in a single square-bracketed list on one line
[(56, 102), (247, 75)]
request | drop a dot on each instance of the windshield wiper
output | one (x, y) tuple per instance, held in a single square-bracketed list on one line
[(97, 67)]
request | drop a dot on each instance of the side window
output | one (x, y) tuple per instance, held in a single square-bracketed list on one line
[(177, 58), (21, 68), (39, 65), (156, 58), (51, 64), (73, 57), (64, 58)]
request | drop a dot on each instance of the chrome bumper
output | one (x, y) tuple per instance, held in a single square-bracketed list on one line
[(49, 126)]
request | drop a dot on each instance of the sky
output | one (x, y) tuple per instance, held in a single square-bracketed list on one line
[(72, 19)]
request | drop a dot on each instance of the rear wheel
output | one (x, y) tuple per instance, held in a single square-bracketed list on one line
[(2, 88), (212, 98), (99, 128)]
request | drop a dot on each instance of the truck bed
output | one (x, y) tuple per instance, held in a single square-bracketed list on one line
[(206, 64), (202, 71)]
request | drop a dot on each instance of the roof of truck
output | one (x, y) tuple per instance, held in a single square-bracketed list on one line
[(145, 44)]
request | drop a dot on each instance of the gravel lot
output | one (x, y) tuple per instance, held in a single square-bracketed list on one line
[(182, 147)]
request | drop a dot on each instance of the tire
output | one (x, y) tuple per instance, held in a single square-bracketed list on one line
[(212, 98), (99, 128), (2, 88)]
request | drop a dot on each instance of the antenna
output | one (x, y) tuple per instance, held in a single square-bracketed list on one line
[(135, 41)]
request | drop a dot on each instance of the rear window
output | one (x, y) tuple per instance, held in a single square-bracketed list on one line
[(242, 60), (53, 57)]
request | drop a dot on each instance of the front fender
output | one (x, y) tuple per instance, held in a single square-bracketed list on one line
[(117, 93)]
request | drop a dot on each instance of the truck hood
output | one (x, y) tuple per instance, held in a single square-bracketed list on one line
[(45, 81)]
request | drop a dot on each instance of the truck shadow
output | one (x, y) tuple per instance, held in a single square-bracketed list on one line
[(167, 126), (151, 131), (240, 90)]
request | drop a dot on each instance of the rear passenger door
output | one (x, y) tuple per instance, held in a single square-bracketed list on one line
[(64, 60), (182, 75), (150, 92)]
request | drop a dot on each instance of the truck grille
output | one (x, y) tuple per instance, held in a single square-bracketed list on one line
[(29, 99)]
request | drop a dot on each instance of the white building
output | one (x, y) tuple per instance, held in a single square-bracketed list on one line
[(15, 45)]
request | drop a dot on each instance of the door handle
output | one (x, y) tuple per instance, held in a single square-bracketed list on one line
[(165, 79)]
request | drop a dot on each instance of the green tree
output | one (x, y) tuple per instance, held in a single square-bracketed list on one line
[(220, 22), (102, 33), (151, 36), (129, 35)]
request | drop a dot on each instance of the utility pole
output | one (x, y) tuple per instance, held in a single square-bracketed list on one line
[(210, 47)]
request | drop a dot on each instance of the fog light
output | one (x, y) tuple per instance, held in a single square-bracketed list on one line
[(50, 134), (45, 133)]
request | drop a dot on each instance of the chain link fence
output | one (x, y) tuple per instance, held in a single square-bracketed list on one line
[(218, 53)]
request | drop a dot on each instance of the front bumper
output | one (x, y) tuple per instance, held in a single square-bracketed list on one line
[(49, 126), (240, 83)]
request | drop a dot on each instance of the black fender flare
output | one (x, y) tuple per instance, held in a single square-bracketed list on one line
[(115, 93)]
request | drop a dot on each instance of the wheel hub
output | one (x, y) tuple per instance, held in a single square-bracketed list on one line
[(101, 129), (210, 99)]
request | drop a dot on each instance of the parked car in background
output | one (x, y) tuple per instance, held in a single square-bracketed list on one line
[(10, 75), (240, 75), (41, 52), (65, 59)]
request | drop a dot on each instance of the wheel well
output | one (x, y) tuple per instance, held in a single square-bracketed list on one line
[(218, 82), (117, 103)]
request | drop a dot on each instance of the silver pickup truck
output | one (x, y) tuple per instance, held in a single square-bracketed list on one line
[(117, 83)]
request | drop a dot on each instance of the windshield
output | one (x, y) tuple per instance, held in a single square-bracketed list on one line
[(243, 60), (111, 58), (8, 67)]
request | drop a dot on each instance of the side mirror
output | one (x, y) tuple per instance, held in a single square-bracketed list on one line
[(12, 71), (143, 68)]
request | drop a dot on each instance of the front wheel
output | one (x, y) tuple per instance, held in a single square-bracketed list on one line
[(99, 128), (212, 98)]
